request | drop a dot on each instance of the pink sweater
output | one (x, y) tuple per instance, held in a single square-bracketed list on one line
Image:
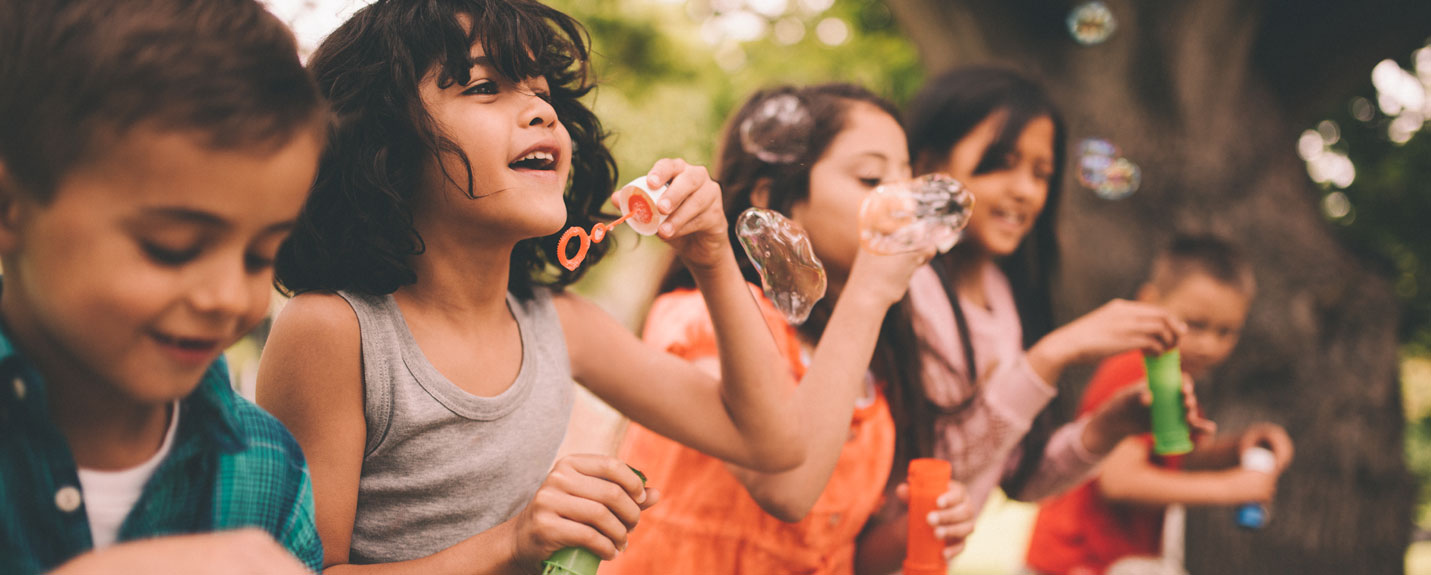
[(983, 439)]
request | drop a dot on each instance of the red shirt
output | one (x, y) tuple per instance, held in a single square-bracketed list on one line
[(1080, 532)]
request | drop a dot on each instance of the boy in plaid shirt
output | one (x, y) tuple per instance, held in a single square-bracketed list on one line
[(153, 155)]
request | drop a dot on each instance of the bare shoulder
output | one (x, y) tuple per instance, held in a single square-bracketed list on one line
[(314, 349)]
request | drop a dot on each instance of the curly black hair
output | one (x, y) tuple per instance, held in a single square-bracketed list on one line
[(356, 232)]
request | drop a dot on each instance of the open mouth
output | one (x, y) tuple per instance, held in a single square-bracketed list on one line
[(538, 160), (197, 345), (1013, 218)]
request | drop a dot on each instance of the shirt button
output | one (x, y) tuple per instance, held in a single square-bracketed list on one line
[(68, 498), (19, 388)]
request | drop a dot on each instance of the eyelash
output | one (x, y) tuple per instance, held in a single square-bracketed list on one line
[(168, 257), (870, 182), (177, 258), (489, 88), (477, 89)]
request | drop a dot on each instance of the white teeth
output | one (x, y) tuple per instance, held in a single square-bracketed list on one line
[(544, 156)]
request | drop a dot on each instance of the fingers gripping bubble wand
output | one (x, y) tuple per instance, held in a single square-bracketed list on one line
[(577, 560), (638, 210)]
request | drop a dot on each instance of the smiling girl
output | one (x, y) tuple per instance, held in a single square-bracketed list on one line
[(426, 363)]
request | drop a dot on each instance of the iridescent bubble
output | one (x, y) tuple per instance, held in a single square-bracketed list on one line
[(778, 131), (1091, 23), (1120, 180), (911, 215), (1103, 170), (793, 278)]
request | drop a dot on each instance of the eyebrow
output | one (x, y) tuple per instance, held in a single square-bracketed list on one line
[(204, 219)]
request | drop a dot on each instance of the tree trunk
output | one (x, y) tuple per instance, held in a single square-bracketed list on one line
[(1208, 98)]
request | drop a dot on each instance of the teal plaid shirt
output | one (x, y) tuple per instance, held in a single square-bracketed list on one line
[(232, 465)]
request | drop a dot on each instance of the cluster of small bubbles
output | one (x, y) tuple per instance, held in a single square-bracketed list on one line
[(791, 275), (1325, 165), (778, 131), (931, 210), (1103, 170), (1091, 23)]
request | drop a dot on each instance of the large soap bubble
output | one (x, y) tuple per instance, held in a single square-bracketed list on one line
[(778, 130), (911, 215), (793, 278), (1091, 23)]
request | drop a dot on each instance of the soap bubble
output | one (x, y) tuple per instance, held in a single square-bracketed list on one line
[(1091, 23), (1120, 180), (778, 131), (911, 215), (793, 278), (1101, 169)]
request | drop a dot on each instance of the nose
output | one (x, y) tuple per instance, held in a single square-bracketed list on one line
[(1026, 186), (224, 290), (537, 110)]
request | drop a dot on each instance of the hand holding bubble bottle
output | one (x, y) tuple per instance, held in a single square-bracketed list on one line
[(1254, 514), (1171, 435), (575, 560), (913, 214), (924, 553)]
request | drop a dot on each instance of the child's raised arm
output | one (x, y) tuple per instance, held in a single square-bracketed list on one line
[(311, 379), (745, 417)]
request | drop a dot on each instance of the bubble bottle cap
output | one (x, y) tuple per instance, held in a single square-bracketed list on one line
[(639, 201)]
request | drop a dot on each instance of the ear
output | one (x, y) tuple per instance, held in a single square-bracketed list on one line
[(760, 194), (1148, 293), (11, 206)]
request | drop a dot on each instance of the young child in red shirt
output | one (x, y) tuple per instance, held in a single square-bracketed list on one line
[(1206, 283)]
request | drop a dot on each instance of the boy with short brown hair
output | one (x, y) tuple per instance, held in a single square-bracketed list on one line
[(153, 155), (1207, 284)]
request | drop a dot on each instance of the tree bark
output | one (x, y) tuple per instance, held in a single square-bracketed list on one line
[(1208, 98)]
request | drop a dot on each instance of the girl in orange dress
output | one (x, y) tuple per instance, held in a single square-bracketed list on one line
[(855, 358)]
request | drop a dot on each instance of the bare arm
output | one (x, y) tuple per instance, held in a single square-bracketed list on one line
[(239, 552), (1127, 476), (827, 394)]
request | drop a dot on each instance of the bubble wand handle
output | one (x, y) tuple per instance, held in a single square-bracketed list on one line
[(1170, 424), (924, 552)]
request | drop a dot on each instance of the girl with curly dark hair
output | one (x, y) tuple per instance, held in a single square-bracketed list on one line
[(425, 364)]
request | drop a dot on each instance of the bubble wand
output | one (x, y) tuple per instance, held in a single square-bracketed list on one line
[(637, 203)]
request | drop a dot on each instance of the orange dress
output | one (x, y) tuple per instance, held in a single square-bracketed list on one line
[(705, 523)]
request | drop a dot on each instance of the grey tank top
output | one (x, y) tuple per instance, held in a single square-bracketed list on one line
[(440, 464)]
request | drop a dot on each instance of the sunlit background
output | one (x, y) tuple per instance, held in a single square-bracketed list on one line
[(670, 70)]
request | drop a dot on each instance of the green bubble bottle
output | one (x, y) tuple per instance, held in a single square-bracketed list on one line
[(1170, 422), (576, 560)]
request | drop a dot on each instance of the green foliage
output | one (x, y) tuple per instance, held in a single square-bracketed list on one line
[(664, 93)]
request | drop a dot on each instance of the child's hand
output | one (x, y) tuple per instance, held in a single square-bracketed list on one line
[(883, 279), (1116, 327), (588, 501), (953, 521), (1128, 413), (238, 552), (1271, 436), (695, 218)]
